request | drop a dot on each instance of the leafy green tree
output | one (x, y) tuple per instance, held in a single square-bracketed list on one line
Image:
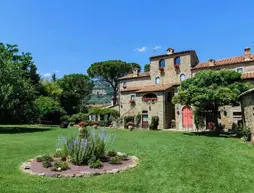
[(110, 71), (52, 89), (76, 90), (147, 67), (18, 84), (47, 105), (209, 90)]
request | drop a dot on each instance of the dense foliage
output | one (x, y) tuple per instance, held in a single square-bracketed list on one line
[(208, 90), (26, 97), (147, 68), (19, 84), (76, 90)]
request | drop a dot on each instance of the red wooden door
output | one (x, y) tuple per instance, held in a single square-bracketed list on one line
[(187, 117)]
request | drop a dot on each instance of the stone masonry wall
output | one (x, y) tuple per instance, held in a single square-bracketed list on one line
[(248, 110), (156, 109)]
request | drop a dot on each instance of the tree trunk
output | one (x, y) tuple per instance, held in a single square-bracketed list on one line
[(115, 97)]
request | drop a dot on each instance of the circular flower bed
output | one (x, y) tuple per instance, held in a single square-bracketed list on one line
[(81, 156)]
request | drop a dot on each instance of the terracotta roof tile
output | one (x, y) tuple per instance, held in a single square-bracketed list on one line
[(248, 75), (224, 62), (149, 88), (129, 89), (180, 52), (141, 74)]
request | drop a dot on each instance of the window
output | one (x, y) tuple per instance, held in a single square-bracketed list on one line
[(157, 80), (150, 97), (162, 63), (124, 84), (177, 61), (240, 70), (182, 77), (133, 97)]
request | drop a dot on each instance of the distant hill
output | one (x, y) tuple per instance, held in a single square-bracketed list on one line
[(102, 93)]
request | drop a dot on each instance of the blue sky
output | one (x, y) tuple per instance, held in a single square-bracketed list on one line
[(68, 36)]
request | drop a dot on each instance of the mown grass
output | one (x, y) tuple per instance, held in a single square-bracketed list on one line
[(169, 162)]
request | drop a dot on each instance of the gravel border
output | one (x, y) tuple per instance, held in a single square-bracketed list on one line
[(26, 167)]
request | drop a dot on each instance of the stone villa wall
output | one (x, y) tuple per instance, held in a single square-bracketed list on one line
[(247, 102), (155, 109)]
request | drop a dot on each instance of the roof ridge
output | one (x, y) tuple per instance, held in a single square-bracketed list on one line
[(225, 58)]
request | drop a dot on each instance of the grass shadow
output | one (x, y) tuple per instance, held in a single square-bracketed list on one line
[(213, 134), (16, 129)]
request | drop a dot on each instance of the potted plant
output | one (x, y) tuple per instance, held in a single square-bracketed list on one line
[(132, 102), (161, 68), (130, 125), (177, 66)]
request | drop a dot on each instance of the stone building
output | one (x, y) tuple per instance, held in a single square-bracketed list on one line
[(149, 93), (247, 104)]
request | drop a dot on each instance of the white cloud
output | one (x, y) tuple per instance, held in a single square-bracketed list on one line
[(156, 48), (46, 75), (56, 71), (143, 49)]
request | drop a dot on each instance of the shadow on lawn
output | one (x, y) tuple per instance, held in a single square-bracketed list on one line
[(213, 134), (14, 130)]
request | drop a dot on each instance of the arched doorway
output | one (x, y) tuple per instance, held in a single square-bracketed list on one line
[(187, 117)]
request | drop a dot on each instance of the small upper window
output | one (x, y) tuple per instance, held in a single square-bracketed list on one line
[(177, 60), (240, 70), (182, 77), (133, 97), (125, 84), (162, 63), (157, 80)]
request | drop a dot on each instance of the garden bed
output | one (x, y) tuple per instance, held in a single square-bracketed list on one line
[(34, 167)]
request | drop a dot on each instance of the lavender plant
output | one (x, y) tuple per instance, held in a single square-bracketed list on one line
[(83, 149)]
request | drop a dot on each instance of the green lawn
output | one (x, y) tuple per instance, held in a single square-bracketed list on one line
[(169, 162)]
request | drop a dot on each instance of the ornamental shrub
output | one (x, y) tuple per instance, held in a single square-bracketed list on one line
[(115, 160), (111, 153), (93, 163), (154, 123), (46, 164), (76, 118), (60, 166), (47, 158)]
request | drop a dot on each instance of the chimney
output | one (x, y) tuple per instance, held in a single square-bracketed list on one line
[(247, 55), (211, 62), (170, 51), (135, 72)]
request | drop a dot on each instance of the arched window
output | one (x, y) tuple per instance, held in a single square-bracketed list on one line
[(177, 61), (162, 63), (157, 80), (150, 97), (182, 77)]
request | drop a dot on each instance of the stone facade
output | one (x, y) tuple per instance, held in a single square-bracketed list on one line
[(166, 73), (160, 84), (247, 103)]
